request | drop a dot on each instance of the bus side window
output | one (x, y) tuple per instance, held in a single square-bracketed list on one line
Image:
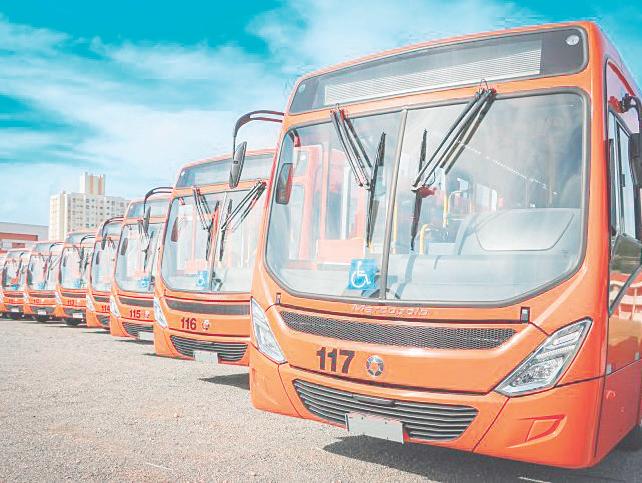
[(628, 189), (615, 179)]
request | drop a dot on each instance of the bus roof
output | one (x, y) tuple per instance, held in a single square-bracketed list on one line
[(215, 170), (158, 203), (420, 73)]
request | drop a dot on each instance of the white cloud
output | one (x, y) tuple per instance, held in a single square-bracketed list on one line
[(137, 111)]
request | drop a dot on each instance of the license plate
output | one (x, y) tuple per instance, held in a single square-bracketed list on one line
[(15, 309), (375, 426), (206, 356), (77, 315), (149, 336), (42, 312)]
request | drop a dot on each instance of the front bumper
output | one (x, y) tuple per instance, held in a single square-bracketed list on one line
[(555, 427)]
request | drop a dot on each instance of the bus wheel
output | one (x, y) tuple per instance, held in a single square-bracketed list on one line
[(633, 440), (72, 322), (42, 318)]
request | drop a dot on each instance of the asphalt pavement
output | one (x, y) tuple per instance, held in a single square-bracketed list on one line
[(78, 404)]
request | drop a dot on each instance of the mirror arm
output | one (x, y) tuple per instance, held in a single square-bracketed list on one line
[(153, 191), (275, 116)]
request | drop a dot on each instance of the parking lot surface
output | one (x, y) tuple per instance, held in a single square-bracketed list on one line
[(76, 403)]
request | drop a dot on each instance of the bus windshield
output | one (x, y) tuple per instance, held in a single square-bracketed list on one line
[(12, 271), (41, 273), (74, 267), (502, 219), (102, 265), (200, 258), (136, 257)]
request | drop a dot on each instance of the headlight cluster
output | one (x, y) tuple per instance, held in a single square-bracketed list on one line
[(90, 303), (265, 339), (58, 299), (543, 368), (158, 314), (1, 297), (25, 298), (113, 306)]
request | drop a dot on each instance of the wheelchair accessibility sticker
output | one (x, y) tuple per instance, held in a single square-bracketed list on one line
[(362, 274), (201, 279)]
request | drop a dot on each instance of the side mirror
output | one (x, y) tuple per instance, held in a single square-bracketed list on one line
[(123, 247), (148, 214), (97, 259), (174, 234), (64, 261), (103, 243), (635, 158), (284, 184), (237, 164)]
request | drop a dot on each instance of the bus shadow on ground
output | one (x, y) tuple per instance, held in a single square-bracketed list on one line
[(443, 464), (240, 381)]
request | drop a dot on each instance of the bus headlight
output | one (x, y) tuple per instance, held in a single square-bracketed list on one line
[(1, 297), (158, 314), (90, 303), (58, 299), (113, 306), (265, 340), (543, 368), (25, 298)]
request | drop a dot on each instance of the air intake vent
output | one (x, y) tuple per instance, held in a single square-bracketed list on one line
[(227, 351), (135, 329), (431, 422), (421, 336)]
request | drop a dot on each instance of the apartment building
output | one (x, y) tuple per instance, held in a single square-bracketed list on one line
[(85, 209)]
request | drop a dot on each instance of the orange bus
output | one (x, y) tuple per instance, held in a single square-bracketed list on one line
[(207, 256), (451, 253), (13, 278), (73, 276), (42, 272), (132, 290), (101, 273)]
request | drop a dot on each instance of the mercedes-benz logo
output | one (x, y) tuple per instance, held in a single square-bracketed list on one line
[(206, 324), (374, 366)]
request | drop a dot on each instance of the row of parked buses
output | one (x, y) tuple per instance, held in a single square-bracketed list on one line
[(444, 249)]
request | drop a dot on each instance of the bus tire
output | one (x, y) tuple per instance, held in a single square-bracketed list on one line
[(633, 440), (42, 318), (72, 322)]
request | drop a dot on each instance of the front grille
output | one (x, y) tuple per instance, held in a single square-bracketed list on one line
[(425, 337), (216, 308), (135, 329), (103, 320), (136, 302), (227, 351), (100, 298), (73, 295), (434, 422)]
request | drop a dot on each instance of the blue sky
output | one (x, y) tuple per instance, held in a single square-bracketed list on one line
[(134, 89)]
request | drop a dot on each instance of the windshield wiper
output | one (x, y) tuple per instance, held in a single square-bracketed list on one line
[(236, 216), (443, 156), (373, 204), (202, 209), (447, 152), (354, 151), (205, 216), (416, 213)]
